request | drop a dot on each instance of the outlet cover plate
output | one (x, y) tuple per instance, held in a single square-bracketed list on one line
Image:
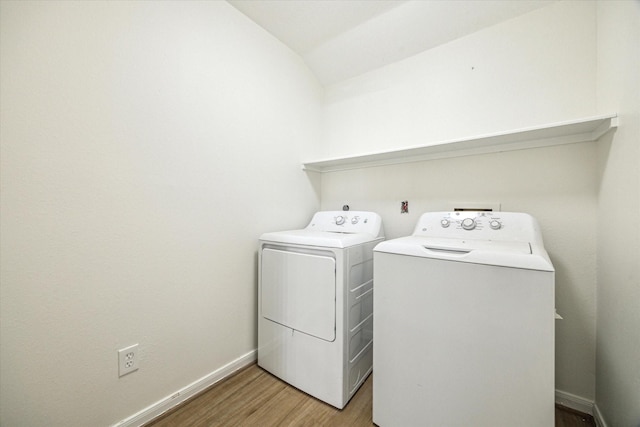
[(128, 360)]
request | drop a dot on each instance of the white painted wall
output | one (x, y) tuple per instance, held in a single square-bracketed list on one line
[(618, 339), (536, 69), (145, 147)]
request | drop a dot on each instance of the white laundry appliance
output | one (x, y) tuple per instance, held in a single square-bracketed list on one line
[(315, 304), (464, 324)]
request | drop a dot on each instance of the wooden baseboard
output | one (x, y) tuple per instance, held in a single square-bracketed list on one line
[(160, 407)]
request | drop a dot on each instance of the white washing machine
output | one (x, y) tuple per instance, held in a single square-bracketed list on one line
[(315, 304), (464, 324)]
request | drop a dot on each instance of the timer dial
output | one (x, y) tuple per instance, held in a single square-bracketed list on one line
[(468, 223)]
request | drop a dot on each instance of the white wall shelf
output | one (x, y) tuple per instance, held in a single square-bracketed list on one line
[(569, 132)]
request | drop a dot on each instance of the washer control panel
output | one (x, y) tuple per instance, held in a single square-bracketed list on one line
[(477, 225), (469, 220)]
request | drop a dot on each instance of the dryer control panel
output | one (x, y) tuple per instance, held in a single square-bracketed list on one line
[(347, 222), (510, 226)]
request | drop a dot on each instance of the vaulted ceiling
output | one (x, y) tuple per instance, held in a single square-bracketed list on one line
[(339, 39)]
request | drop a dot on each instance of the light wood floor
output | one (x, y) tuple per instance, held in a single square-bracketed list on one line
[(253, 397)]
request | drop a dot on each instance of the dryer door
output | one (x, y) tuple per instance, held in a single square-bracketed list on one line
[(299, 291)]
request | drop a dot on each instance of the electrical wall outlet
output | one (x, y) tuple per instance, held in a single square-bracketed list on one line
[(128, 360)]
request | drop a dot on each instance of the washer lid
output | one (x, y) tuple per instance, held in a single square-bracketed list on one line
[(327, 239), (444, 245), (490, 252)]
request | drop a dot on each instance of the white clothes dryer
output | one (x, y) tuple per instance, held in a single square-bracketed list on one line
[(464, 324), (315, 304)]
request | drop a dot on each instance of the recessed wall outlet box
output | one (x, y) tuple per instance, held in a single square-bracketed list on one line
[(128, 360), (474, 206)]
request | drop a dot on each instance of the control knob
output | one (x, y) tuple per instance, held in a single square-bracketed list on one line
[(340, 220), (495, 224), (468, 223), (444, 223), (355, 220)]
